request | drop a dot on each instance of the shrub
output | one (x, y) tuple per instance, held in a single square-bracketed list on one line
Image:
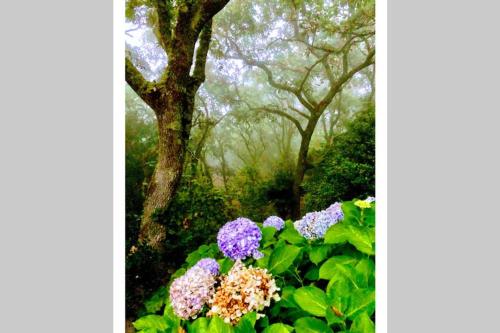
[(193, 218), (325, 285), (347, 168), (197, 211)]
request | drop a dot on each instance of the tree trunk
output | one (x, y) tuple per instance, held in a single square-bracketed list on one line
[(301, 166), (174, 125)]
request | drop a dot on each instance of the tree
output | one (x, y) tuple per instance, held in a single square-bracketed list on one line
[(347, 166), (181, 28), (306, 57)]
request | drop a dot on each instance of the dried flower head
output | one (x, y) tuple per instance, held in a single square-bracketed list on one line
[(241, 291), (240, 239), (190, 292), (275, 222)]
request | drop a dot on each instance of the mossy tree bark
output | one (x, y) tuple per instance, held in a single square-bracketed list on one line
[(172, 98)]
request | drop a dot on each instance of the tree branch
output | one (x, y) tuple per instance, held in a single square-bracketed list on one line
[(270, 77), (201, 53), (138, 83), (164, 11), (344, 78), (283, 114)]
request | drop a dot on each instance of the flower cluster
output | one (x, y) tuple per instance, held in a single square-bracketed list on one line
[(275, 222), (209, 264), (370, 199), (190, 292), (315, 224), (240, 239), (241, 291)]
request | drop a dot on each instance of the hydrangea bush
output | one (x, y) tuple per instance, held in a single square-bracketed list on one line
[(316, 274)]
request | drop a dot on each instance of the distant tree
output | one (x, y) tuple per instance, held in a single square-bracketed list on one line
[(306, 56), (347, 168)]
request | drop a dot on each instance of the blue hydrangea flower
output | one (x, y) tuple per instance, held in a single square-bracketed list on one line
[(335, 212), (315, 224), (209, 264), (370, 199), (240, 239), (275, 222)]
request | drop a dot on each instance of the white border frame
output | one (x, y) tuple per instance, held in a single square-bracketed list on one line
[(119, 165), (381, 164)]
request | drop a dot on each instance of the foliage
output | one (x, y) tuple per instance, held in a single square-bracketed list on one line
[(197, 211), (326, 285), (278, 191), (140, 158), (347, 168), (249, 189)]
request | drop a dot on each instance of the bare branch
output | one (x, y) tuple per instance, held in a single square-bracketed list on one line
[(281, 113), (344, 78), (298, 111), (270, 78)]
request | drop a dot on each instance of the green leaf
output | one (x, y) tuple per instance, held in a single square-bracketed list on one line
[(362, 324), (362, 300), (291, 235), (287, 300), (264, 261), (278, 328), (155, 303), (365, 273), (267, 236), (151, 321), (150, 330), (339, 267), (311, 325), (312, 300), (369, 216), (362, 238), (319, 253), (225, 265), (200, 325), (170, 317), (251, 317), (312, 274), (351, 213), (332, 317), (339, 293), (246, 324), (282, 257), (178, 273), (217, 325)]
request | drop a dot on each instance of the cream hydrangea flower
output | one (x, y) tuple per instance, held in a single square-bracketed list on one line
[(241, 291)]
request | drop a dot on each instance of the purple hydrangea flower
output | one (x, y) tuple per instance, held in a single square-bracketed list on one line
[(315, 224), (209, 264), (190, 292), (240, 239), (275, 222)]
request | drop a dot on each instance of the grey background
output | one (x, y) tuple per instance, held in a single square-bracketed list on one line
[(444, 166), (56, 166)]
